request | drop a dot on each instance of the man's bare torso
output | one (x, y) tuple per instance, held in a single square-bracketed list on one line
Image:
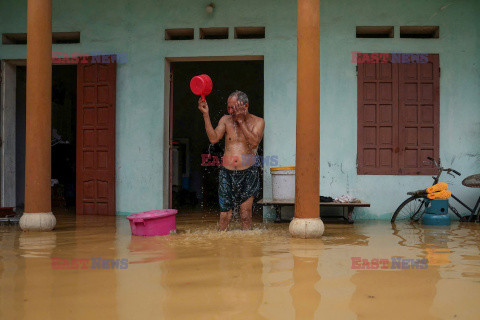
[(238, 153)]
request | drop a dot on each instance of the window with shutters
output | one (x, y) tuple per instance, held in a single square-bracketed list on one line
[(398, 116)]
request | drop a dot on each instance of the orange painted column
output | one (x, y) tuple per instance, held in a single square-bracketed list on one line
[(38, 212), (307, 166)]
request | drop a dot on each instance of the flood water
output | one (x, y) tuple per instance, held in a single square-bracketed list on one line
[(200, 273)]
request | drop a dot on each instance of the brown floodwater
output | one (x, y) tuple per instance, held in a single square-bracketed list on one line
[(200, 273)]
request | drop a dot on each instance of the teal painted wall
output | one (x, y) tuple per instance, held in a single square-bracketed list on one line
[(459, 51), (137, 28)]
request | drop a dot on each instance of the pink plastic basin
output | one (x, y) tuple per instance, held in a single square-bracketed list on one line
[(153, 223)]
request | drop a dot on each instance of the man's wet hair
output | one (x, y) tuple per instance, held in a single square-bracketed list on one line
[(241, 96)]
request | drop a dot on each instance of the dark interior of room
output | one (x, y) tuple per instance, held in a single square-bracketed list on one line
[(194, 185), (64, 95)]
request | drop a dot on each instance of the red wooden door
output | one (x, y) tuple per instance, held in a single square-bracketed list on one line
[(96, 90)]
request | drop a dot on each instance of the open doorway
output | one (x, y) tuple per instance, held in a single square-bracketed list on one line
[(64, 95), (195, 186), (82, 136)]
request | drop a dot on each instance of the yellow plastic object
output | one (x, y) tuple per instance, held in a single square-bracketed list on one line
[(282, 168), (444, 194), (438, 187)]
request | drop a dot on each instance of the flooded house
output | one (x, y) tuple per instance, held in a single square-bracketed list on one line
[(98, 122)]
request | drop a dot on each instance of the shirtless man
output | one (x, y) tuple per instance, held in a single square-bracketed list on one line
[(239, 181)]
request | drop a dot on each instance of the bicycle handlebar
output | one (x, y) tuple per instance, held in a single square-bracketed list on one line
[(448, 170), (455, 171), (435, 163)]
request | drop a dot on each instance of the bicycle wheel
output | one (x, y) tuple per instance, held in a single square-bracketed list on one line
[(411, 209)]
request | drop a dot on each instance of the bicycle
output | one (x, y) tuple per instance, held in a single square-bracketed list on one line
[(414, 207)]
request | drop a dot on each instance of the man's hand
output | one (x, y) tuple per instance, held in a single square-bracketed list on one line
[(203, 106), (239, 112)]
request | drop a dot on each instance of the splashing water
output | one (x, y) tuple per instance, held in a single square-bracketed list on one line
[(235, 128)]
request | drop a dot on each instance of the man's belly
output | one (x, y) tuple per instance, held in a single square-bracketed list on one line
[(238, 155), (238, 161)]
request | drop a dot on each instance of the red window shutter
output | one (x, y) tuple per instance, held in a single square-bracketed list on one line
[(377, 129), (419, 115)]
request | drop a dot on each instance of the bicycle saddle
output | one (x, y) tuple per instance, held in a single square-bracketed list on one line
[(472, 181)]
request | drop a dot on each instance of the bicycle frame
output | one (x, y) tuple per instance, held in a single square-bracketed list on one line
[(472, 211)]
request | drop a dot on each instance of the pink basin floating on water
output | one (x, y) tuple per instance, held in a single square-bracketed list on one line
[(153, 223)]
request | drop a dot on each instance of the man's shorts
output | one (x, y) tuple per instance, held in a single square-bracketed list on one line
[(236, 186)]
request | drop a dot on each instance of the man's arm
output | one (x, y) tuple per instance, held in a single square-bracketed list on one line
[(214, 135), (255, 136)]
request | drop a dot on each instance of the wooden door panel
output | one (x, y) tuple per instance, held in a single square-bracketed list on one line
[(96, 87)]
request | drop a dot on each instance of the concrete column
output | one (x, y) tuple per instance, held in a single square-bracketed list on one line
[(38, 211), (307, 223)]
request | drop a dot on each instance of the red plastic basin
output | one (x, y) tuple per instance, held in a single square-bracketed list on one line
[(201, 85)]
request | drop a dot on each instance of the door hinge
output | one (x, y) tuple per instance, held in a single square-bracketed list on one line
[(439, 71), (356, 71)]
